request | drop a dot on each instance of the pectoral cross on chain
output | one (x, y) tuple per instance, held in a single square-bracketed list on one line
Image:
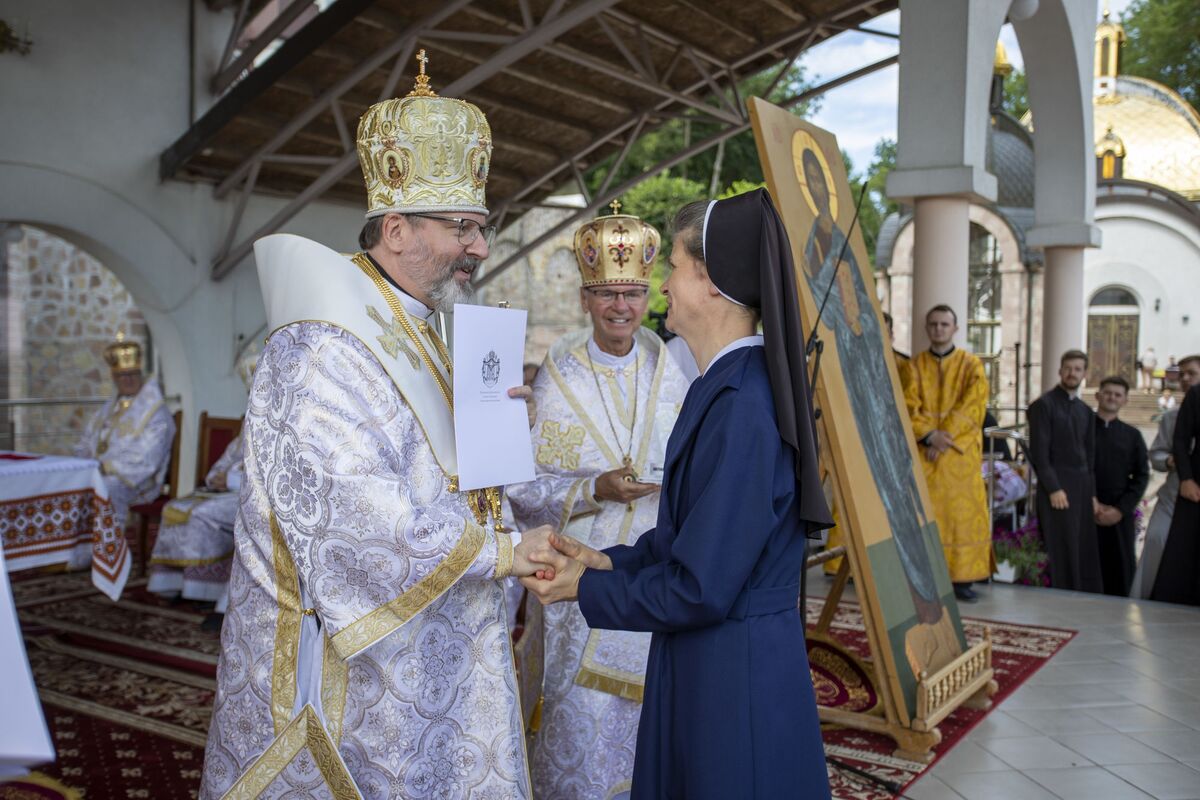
[(393, 339)]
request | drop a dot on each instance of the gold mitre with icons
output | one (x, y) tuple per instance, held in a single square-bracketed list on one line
[(424, 153), (123, 355), (618, 248)]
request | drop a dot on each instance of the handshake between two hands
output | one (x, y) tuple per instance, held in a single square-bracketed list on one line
[(549, 564)]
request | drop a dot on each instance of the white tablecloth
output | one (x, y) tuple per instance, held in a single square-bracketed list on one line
[(54, 510)]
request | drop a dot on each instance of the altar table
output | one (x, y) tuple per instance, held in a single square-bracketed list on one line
[(55, 510)]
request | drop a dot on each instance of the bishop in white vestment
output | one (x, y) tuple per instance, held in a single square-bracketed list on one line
[(365, 651), (131, 434), (607, 399), (194, 549), (193, 552)]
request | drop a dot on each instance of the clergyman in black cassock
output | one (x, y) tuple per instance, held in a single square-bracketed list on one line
[(1122, 472), (1062, 445), (1178, 578)]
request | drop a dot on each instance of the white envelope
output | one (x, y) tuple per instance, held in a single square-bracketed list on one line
[(491, 429)]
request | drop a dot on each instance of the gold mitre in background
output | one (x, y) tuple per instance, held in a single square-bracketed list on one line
[(246, 365), (619, 248), (122, 355), (424, 153)]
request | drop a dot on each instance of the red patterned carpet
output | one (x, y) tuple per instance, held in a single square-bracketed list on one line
[(127, 690), (1018, 651)]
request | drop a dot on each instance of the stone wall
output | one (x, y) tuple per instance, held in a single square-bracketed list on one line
[(546, 281), (64, 308)]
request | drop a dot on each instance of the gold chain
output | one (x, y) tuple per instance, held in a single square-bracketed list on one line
[(628, 456), (444, 354), (480, 501), (393, 302)]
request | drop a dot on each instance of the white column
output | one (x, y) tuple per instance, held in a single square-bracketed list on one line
[(1062, 308), (941, 235)]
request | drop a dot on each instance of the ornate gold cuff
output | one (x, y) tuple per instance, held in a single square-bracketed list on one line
[(504, 555)]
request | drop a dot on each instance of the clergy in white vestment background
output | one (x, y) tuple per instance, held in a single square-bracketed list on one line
[(131, 434), (607, 398), (193, 552), (1162, 460), (365, 651)]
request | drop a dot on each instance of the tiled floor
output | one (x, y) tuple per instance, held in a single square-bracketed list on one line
[(1116, 714)]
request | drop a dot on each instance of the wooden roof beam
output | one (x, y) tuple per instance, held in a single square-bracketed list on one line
[(245, 59), (291, 53), (805, 32), (397, 52), (603, 197), (671, 41), (523, 45), (785, 8), (358, 101), (392, 22)]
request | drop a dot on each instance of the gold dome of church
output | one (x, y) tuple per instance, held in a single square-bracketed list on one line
[(1160, 131)]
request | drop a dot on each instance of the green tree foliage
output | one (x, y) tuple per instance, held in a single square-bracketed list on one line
[(739, 157), (1016, 93), (740, 187), (656, 200), (1163, 44), (877, 206)]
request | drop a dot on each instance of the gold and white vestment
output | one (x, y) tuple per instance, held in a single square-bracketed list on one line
[(131, 438), (365, 651), (194, 547)]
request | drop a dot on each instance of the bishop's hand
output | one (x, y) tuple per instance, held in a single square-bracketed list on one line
[(525, 554)]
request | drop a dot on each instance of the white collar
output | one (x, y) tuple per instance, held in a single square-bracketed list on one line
[(746, 341), (414, 306), (608, 359)]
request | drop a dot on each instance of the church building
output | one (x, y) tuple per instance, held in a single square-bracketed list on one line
[(1140, 284)]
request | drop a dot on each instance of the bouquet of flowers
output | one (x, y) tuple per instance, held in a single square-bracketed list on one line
[(1024, 551)]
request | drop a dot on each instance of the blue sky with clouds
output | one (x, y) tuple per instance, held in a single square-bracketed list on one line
[(863, 112)]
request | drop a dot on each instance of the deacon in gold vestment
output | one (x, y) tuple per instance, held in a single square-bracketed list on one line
[(607, 399), (947, 400), (366, 651)]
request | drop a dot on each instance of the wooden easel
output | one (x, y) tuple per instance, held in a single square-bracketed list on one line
[(966, 681), (790, 149)]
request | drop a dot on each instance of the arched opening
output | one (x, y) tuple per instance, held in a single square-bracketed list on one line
[(62, 307), (1112, 334), (984, 310)]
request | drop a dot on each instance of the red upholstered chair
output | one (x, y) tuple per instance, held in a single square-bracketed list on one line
[(151, 512), (215, 435)]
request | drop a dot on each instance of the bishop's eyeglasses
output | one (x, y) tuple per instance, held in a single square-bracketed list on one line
[(609, 296), (468, 229)]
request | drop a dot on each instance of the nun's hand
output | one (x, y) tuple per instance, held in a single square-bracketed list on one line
[(564, 585), (573, 548)]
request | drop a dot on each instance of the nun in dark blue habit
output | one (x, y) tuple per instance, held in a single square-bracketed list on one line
[(729, 710)]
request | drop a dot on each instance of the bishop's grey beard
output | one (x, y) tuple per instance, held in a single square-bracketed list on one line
[(446, 291)]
